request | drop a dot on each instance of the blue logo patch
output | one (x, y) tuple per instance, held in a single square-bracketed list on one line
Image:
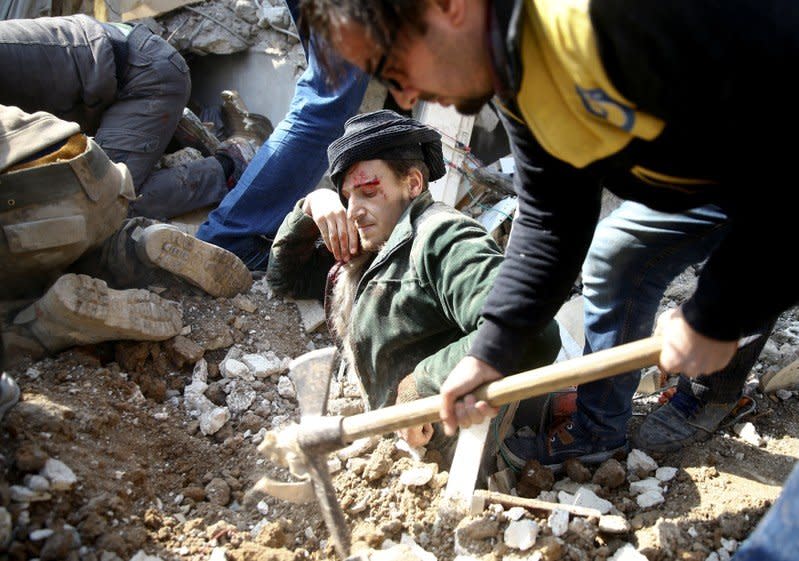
[(601, 105)]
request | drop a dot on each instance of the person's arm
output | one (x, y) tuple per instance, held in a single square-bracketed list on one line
[(298, 260), (558, 210), (703, 67)]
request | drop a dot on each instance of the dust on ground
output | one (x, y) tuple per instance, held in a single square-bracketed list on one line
[(153, 480)]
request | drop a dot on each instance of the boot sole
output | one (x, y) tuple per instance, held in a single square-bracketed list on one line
[(79, 309), (215, 270)]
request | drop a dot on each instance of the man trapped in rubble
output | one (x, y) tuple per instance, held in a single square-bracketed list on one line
[(409, 275)]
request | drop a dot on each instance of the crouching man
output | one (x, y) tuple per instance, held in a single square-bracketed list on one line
[(409, 275)]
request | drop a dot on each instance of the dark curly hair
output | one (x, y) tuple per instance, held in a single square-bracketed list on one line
[(381, 19)]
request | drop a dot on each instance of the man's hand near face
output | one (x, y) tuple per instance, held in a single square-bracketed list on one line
[(338, 232), (467, 375)]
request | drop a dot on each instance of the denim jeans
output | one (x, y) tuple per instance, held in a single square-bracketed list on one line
[(776, 537), (289, 164), (635, 254)]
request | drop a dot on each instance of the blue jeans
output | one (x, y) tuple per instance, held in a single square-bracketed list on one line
[(635, 254), (776, 537), (289, 164)]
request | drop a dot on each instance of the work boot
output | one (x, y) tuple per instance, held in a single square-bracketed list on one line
[(239, 121), (9, 394), (82, 310), (681, 421), (234, 155), (564, 440), (214, 269), (193, 133)]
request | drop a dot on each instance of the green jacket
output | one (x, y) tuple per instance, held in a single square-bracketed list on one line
[(417, 305)]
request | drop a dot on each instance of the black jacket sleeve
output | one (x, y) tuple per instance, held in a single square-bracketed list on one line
[(558, 210)]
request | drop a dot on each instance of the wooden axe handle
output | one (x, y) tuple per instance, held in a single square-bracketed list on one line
[(539, 381)]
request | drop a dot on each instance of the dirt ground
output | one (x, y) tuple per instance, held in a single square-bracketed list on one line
[(146, 479)]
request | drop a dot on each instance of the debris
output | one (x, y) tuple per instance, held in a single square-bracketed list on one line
[(416, 477), (748, 433), (627, 552), (312, 314), (521, 534), (558, 522), (61, 477), (640, 462)]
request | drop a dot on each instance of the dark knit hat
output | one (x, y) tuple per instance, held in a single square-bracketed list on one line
[(385, 135)]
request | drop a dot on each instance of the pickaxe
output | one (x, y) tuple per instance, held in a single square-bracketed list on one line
[(304, 447)]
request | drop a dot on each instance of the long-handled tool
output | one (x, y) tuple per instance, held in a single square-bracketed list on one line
[(303, 448)]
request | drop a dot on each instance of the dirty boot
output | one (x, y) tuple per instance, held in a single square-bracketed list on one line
[(193, 133), (240, 122), (234, 155), (217, 271), (81, 310), (683, 420), (9, 394)]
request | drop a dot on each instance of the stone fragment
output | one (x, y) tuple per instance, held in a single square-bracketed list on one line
[(644, 485), (613, 524), (218, 492), (312, 314), (514, 513), (748, 433), (240, 399), (285, 388), (21, 494), (37, 483), (576, 470), (627, 552), (610, 474), (213, 419), (142, 556), (61, 477), (666, 473), (558, 522), (649, 499), (417, 477), (476, 529), (244, 304), (587, 498), (533, 479), (182, 350), (521, 534), (29, 458), (232, 368), (640, 462)]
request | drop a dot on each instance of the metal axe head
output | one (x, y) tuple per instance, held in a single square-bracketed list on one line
[(303, 448)]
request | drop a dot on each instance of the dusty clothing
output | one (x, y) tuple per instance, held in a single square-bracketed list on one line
[(126, 87), (56, 205), (616, 106), (417, 305)]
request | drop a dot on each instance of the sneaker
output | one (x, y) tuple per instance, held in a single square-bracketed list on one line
[(82, 310), (681, 421), (214, 269), (9, 394), (565, 440), (239, 152)]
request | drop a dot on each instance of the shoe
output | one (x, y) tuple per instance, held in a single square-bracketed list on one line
[(214, 269), (565, 440), (239, 152), (82, 310), (191, 132), (681, 421), (9, 394), (239, 121)]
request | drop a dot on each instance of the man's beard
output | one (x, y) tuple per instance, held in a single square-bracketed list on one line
[(472, 105)]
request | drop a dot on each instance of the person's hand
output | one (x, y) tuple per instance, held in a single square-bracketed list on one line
[(417, 436), (338, 232), (687, 351), (467, 375)]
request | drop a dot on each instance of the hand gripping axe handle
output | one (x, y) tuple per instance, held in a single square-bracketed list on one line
[(317, 435)]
